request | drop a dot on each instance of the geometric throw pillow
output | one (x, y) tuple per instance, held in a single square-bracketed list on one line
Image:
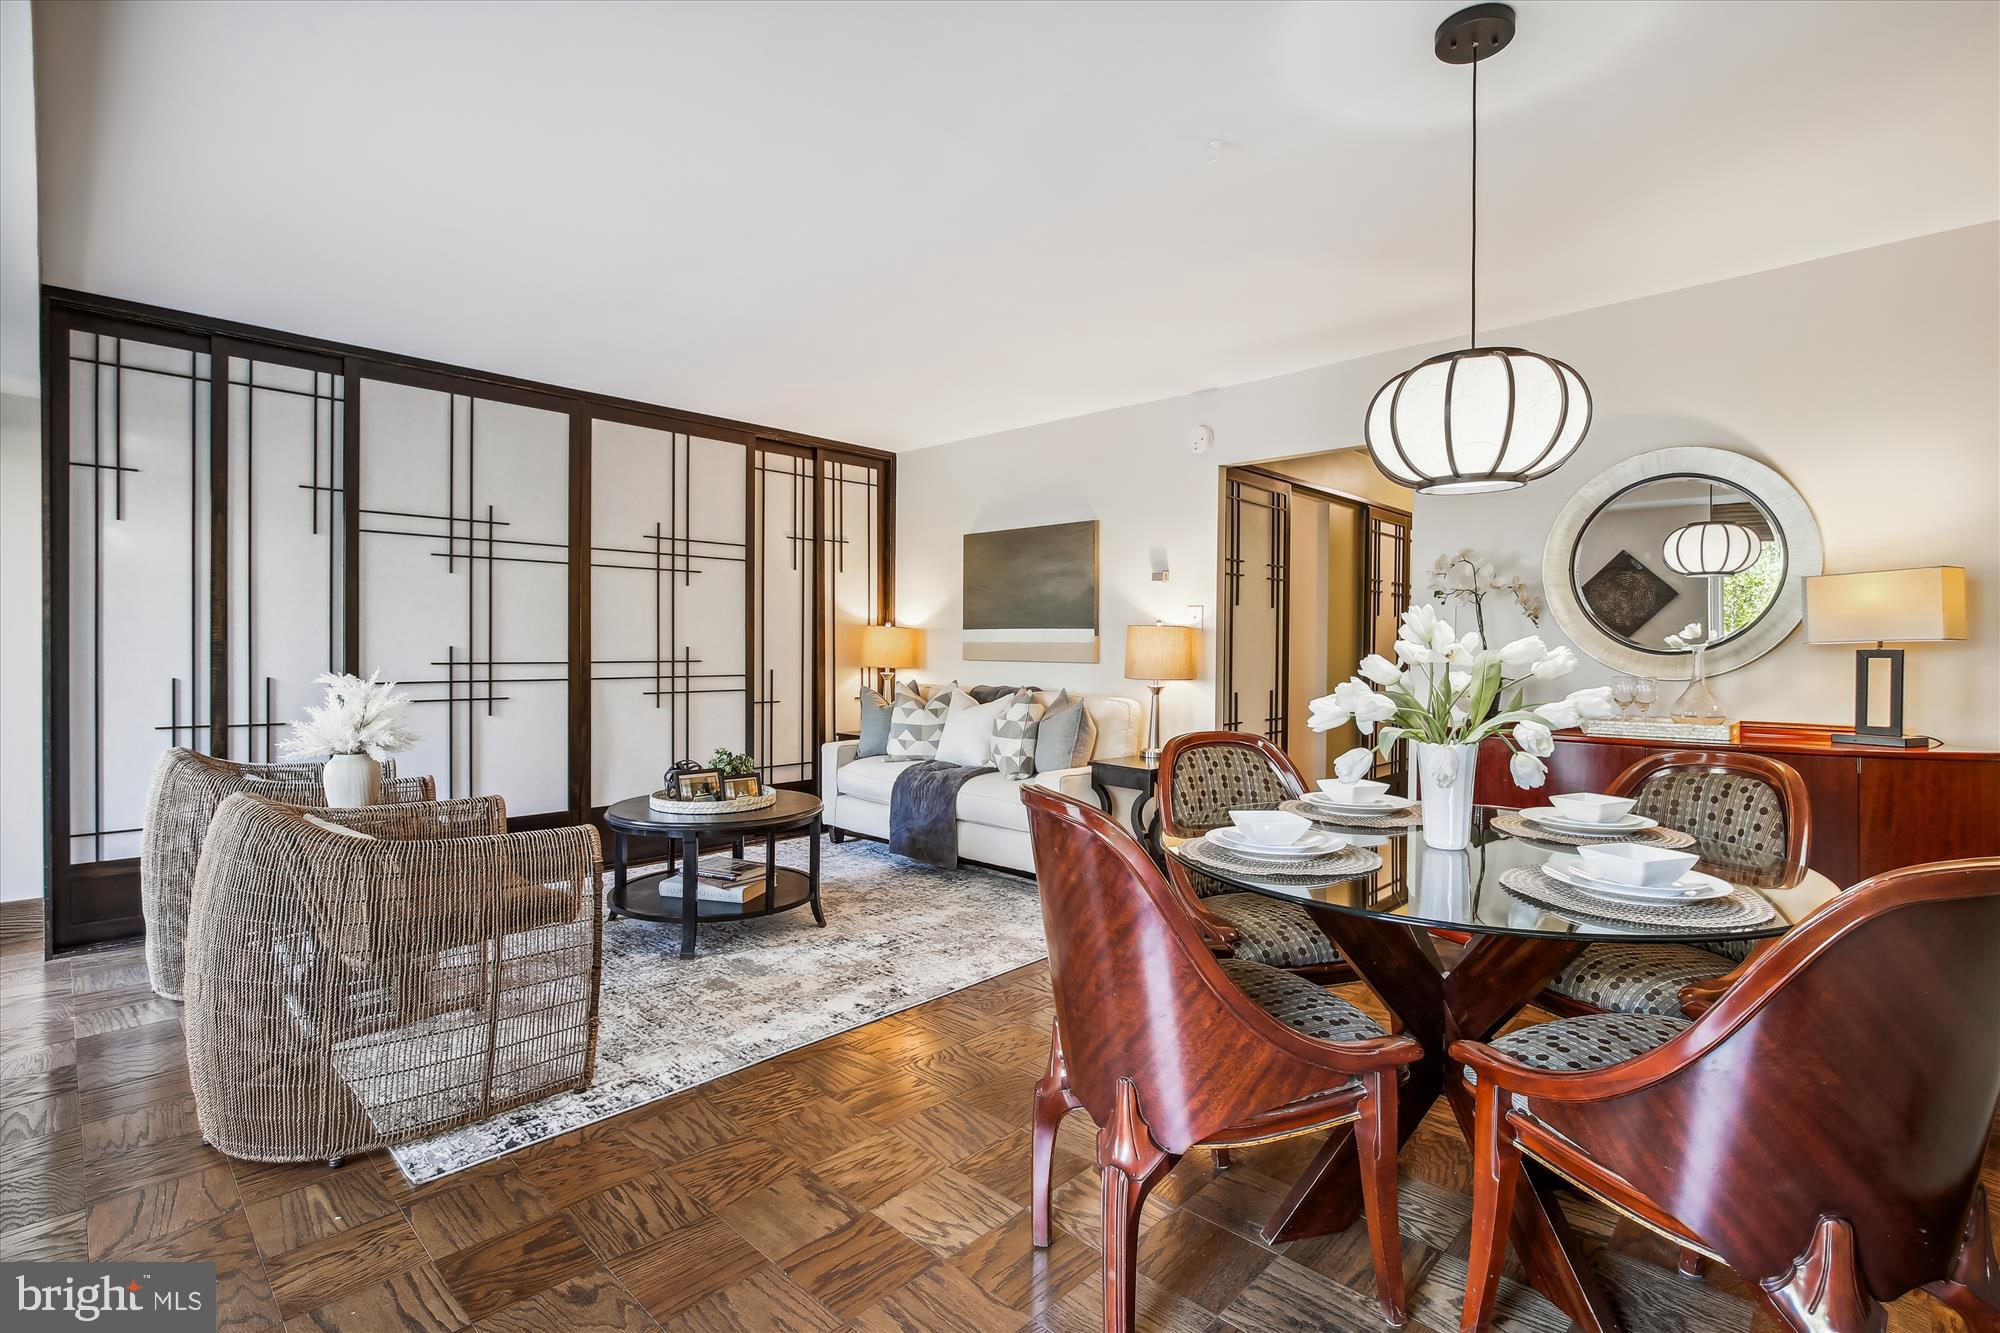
[(1014, 736), (916, 724)]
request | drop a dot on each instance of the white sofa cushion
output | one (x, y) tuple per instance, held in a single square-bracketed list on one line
[(869, 779), (993, 800), (968, 730)]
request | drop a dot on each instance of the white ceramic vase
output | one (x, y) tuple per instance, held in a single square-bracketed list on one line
[(352, 780), (1445, 776)]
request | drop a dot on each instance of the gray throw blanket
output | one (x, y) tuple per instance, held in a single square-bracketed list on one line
[(923, 812)]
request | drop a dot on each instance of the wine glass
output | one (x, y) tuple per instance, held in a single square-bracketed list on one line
[(1644, 690), (1623, 689)]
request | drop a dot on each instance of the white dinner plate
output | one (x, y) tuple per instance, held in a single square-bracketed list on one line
[(1693, 887), (1549, 817), (1381, 805), (1315, 842)]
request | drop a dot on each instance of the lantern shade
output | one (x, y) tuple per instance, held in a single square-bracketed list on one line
[(1481, 419), (1711, 549)]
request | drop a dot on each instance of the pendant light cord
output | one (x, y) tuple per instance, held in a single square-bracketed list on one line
[(1472, 339)]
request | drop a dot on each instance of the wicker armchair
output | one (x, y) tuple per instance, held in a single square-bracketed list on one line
[(186, 789), (371, 976)]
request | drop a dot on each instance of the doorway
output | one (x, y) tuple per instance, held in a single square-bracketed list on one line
[(1313, 576)]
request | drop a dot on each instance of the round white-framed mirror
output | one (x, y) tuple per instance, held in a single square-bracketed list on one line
[(1613, 566)]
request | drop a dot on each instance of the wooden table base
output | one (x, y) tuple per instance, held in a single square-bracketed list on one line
[(1494, 979)]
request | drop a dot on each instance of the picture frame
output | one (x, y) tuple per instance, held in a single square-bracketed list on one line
[(694, 784), (734, 788)]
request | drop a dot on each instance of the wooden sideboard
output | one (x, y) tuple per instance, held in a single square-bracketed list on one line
[(1872, 809)]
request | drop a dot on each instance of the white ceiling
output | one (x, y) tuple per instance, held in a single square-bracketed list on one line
[(902, 224)]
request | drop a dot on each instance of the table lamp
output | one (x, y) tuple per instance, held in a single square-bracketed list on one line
[(1156, 654), (1884, 606), (889, 649)]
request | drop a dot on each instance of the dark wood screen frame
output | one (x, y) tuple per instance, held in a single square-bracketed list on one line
[(82, 902)]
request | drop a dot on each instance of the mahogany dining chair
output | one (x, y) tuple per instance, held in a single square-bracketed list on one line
[(1203, 776), (1819, 1129), (1746, 811), (1169, 1048)]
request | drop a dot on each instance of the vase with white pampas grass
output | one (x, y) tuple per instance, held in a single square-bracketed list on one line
[(361, 723)]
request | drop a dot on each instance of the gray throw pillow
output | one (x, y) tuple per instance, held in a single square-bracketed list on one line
[(916, 724), (874, 726), (986, 694), (1066, 736)]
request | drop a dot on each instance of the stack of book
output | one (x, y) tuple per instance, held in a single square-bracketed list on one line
[(729, 879)]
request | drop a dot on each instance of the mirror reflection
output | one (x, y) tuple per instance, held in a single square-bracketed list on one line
[(1635, 589)]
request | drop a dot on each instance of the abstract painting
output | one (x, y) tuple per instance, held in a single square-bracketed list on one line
[(1624, 595), (1030, 594)]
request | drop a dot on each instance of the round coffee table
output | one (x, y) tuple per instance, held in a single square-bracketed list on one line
[(652, 897)]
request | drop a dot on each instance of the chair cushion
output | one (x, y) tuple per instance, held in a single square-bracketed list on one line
[(992, 799), (1592, 1041), (1275, 934), (1637, 978), (1739, 817), (1211, 780), (869, 779), (1299, 1004)]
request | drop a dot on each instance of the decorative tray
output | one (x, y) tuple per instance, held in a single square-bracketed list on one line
[(661, 804)]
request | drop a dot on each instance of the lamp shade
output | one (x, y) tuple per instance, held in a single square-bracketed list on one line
[(1159, 652), (1887, 606), (897, 647), (1483, 419), (1711, 549)]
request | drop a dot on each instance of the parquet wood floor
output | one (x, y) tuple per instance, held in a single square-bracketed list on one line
[(875, 1181)]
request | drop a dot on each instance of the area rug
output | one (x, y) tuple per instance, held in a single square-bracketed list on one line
[(896, 934)]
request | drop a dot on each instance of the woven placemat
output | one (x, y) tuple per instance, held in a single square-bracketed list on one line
[(1408, 817), (1741, 910), (1347, 863), (1520, 826)]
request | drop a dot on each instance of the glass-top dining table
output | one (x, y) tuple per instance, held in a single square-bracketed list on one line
[(1504, 937)]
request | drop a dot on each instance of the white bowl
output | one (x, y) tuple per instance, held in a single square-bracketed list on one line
[(1635, 863), (1590, 808), (1354, 793), (1270, 828)]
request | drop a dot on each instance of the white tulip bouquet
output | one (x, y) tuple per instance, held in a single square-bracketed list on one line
[(1440, 691), (358, 717)]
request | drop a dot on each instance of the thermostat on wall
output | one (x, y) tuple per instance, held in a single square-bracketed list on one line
[(1201, 439)]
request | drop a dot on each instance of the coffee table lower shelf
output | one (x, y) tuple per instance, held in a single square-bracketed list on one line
[(657, 897)]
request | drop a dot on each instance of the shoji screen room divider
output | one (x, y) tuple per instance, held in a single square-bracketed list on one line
[(575, 590)]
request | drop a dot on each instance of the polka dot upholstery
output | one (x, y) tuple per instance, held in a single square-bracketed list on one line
[(1211, 780), (1637, 978), (1274, 933), (1299, 1004), (1738, 818), (1592, 1041)]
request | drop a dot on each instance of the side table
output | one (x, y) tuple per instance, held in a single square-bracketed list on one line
[(1135, 773)]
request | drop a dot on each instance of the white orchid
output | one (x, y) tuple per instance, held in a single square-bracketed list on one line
[(1355, 765), (1689, 639), (1469, 577), (1526, 770), (358, 717)]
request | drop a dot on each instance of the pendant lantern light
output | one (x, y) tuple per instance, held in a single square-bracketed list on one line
[(1485, 418), (1710, 549)]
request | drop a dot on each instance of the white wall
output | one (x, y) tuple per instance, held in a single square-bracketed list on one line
[(20, 647), (1868, 379)]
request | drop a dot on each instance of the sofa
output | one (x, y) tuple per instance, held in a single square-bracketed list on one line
[(992, 822)]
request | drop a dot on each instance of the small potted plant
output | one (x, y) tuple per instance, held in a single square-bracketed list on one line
[(739, 774), (361, 723)]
